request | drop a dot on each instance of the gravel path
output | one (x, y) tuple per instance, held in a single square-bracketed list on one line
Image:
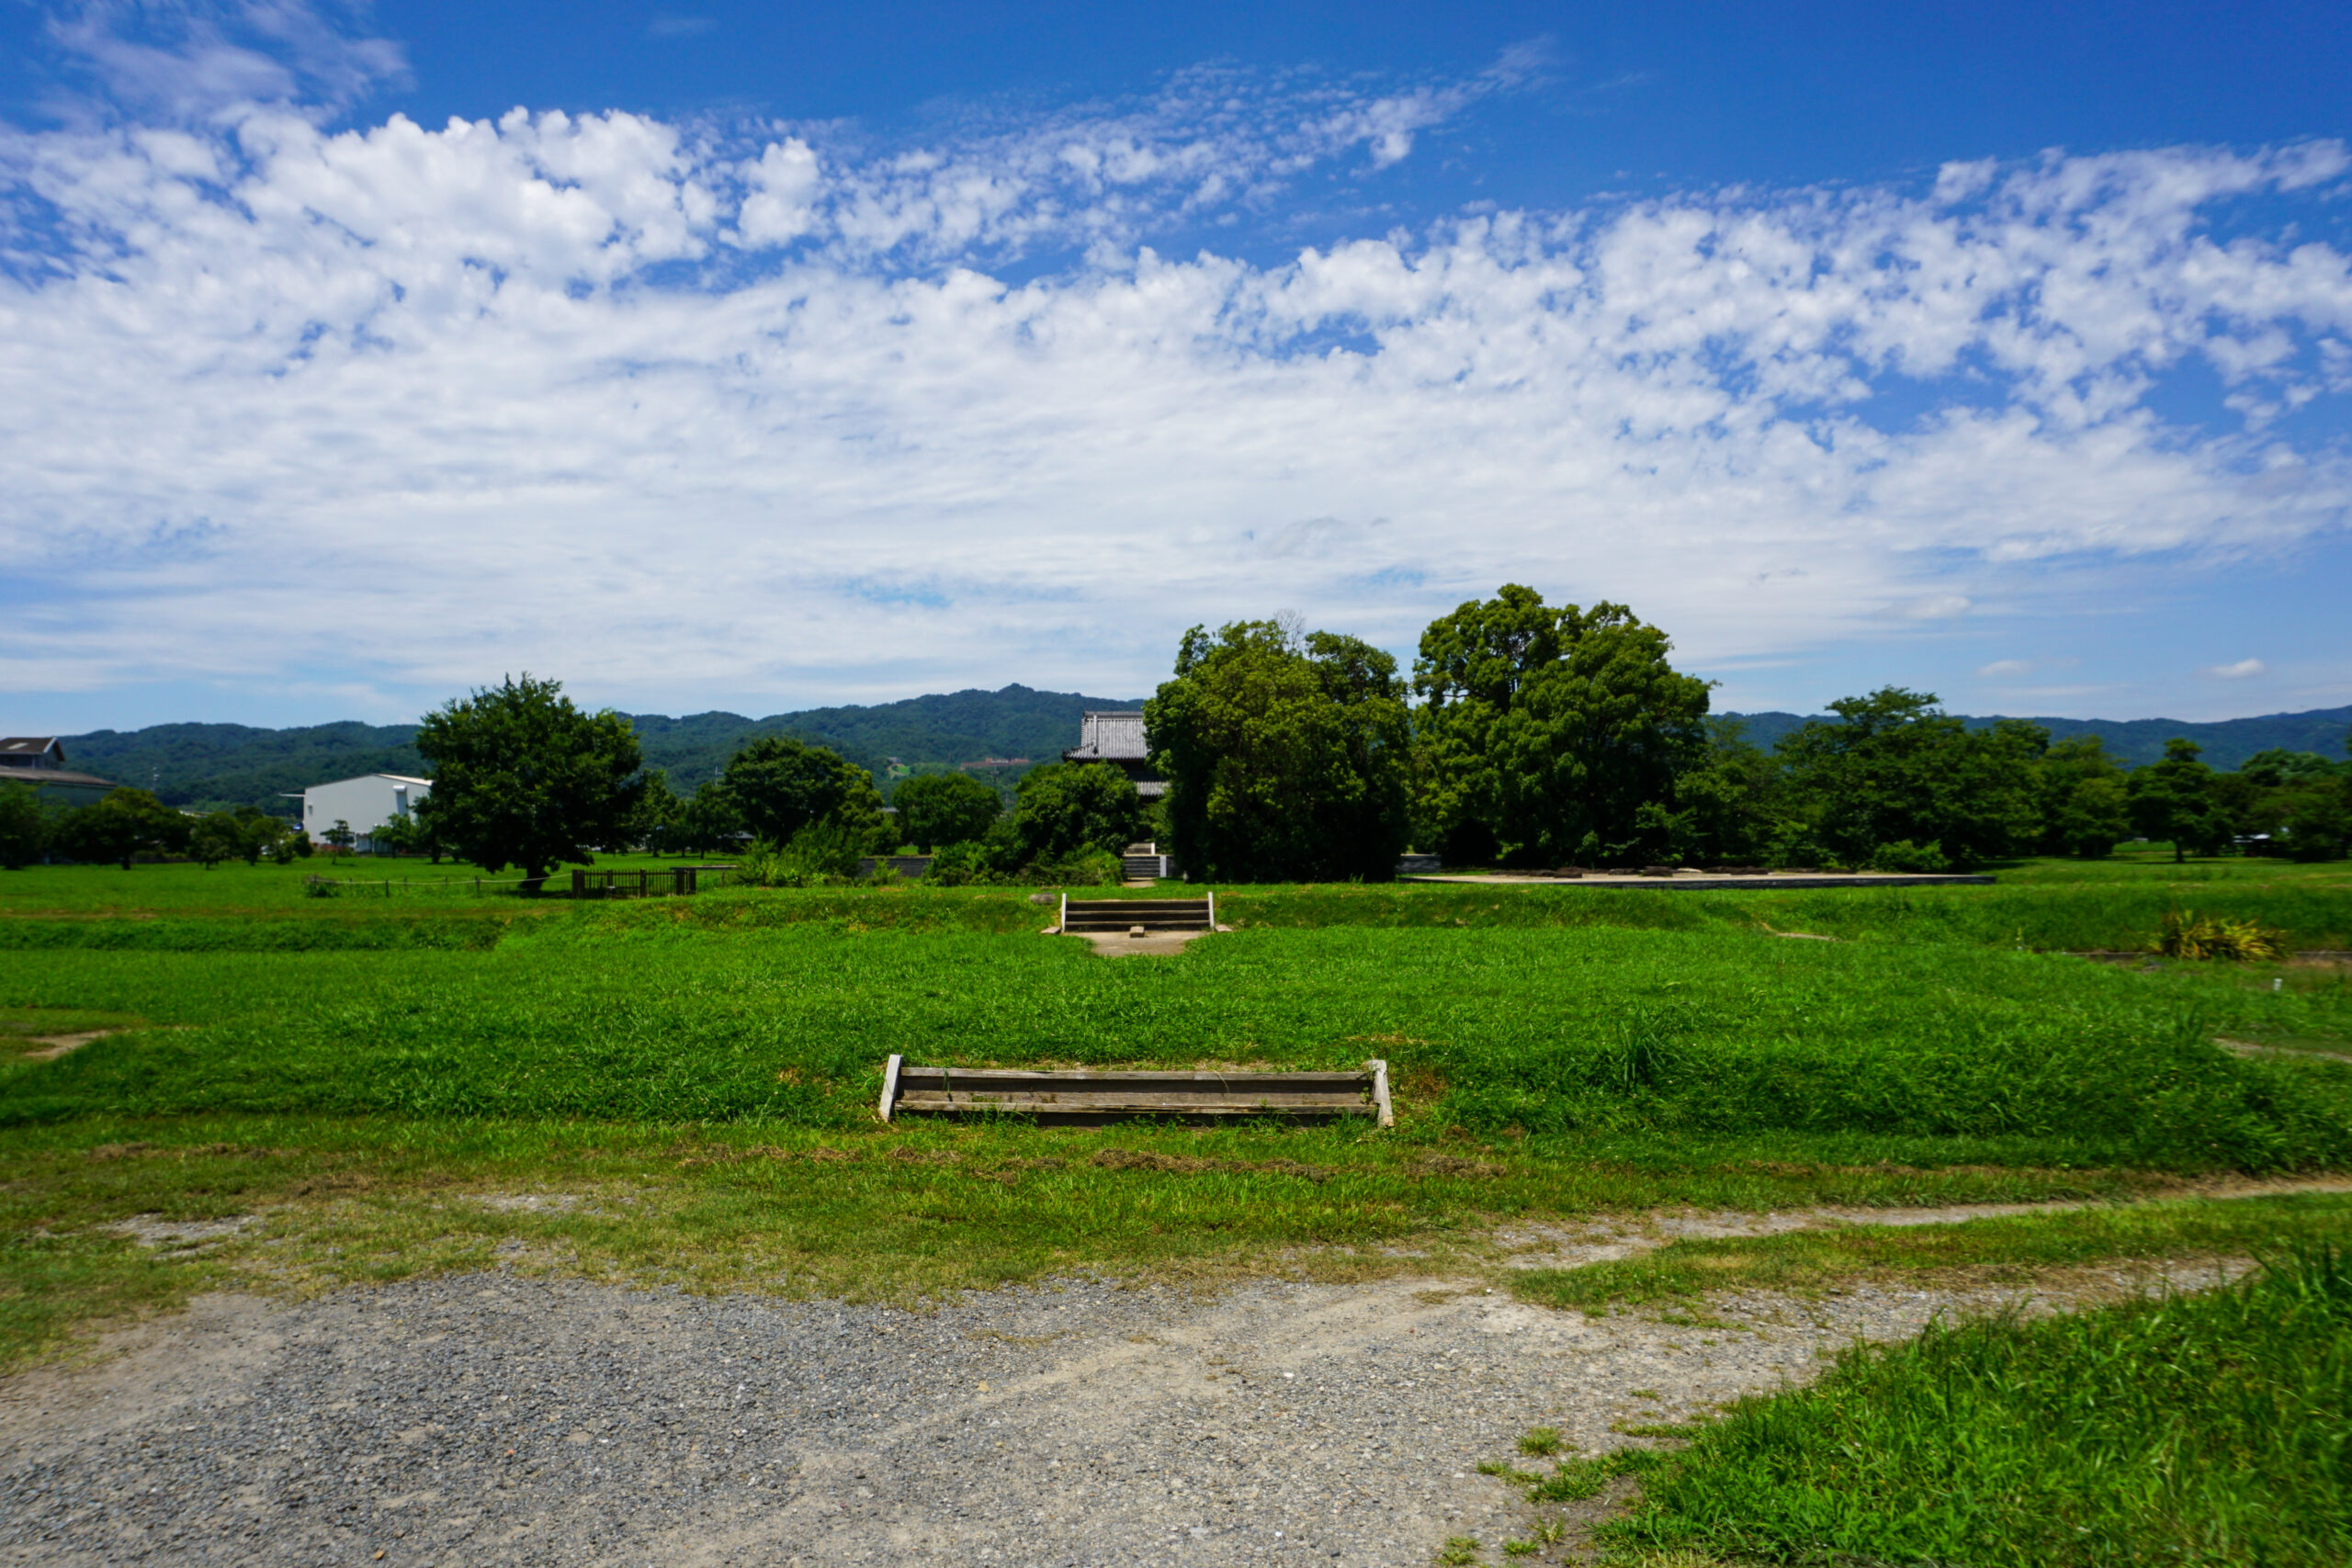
[(494, 1418)]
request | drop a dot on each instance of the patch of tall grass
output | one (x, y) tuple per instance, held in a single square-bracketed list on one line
[(1555, 1037), (2193, 1429)]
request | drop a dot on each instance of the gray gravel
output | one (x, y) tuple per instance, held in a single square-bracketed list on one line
[(494, 1418)]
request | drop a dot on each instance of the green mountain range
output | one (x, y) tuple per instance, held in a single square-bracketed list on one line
[(2133, 741), (205, 765)]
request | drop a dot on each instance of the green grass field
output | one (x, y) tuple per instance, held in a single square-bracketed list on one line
[(2205, 1429), (348, 1079)]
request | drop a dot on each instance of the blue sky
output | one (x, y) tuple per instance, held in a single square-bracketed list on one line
[(771, 356)]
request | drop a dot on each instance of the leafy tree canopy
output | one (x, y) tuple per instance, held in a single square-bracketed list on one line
[(935, 810), (2174, 800), (1551, 735), (2278, 766), (522, 777), (218, 836), (126, 823), (24, 825), (1894, 768), (1287, 757), (1731, 806), (780, 786), (1066, 808), (2082, 799)]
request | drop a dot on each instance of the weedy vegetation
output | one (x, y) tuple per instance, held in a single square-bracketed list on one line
[(2204, 1428)]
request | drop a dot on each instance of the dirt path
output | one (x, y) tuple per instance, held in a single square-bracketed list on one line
[(493, 1419)]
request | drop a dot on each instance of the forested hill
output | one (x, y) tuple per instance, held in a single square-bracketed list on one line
[(235, 764), (959, 727), (2131, 741)]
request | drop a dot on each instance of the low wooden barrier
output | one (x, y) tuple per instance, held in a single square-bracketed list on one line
[(1088, 1097)]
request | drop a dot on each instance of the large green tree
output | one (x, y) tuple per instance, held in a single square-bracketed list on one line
[(1551, 735), (523, 777), (216, 837), (1287, 758), (2083, 805), (1732, 804), (1066, 808), (1894, 768), (126, 823), (2174, 800), (2301, 800), (24, 825), (935, 810), (780, 786)]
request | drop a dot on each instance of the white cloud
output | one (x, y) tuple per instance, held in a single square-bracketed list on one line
[(2002, 668), (191, 59), (670, 414), (2244, 669)]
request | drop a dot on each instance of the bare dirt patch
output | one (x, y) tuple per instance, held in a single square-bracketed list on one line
[(154, 1230), (1152, 945), (48, 1047)]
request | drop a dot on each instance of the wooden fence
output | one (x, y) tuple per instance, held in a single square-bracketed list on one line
[(650, 881)]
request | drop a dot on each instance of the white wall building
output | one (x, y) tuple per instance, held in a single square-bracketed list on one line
[(366, 803)]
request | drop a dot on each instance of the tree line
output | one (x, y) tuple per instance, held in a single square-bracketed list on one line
[(523, 777), (127, 823), (1526, 735), (1532, 735)]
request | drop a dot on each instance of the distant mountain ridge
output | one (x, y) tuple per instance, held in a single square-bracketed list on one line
[(235, 764), (2131, 741)]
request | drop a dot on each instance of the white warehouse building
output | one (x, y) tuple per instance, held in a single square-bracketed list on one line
[(365, 804)]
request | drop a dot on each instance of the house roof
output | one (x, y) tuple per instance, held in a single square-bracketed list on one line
[(1109, 736), (30, 746), (396, 778)]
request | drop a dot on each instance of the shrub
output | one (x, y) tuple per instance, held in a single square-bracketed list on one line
[(823, 852), (967, 865), (1086, 868), (2187, 934), (1903, 855)]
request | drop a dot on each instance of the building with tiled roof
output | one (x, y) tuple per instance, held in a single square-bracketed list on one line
[(1116, 737), (40, 761)]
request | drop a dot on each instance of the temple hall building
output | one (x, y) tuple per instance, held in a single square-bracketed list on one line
[(1117, 738)]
